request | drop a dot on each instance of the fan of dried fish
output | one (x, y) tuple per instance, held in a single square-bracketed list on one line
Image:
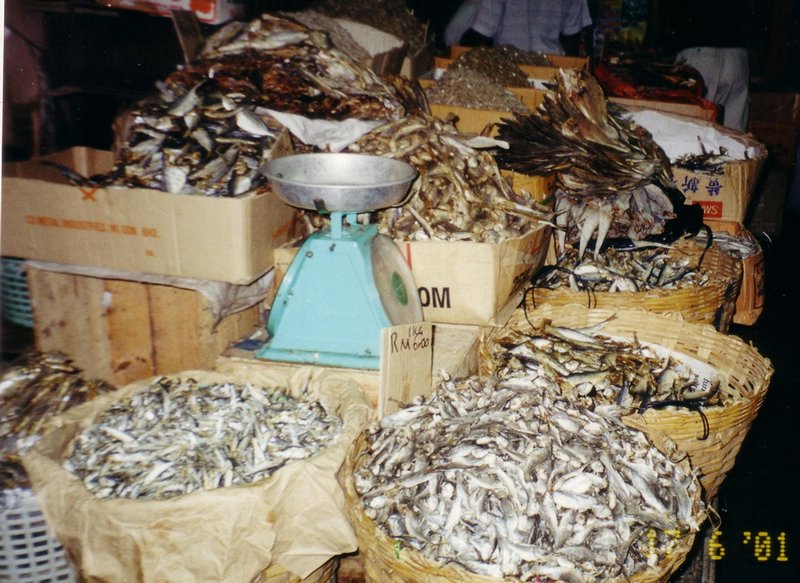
[(210, 129), (613, 180), (34, 389), (460, 193)]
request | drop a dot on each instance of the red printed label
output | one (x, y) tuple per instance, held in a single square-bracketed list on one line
[(711, 210)]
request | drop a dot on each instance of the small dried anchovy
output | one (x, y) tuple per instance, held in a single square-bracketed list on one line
[(469, 88), (494, 64), (178, 436)]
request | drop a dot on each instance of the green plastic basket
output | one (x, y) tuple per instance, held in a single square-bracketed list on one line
[(16, 299)]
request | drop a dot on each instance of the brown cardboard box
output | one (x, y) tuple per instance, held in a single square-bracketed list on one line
[(417, 64), (387, 52), (558, 61), (135, 229), (724, 195)]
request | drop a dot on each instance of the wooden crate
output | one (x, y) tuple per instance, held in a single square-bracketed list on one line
[(122, 331)]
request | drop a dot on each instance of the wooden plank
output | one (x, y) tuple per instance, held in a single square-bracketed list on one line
[(177, 328), (127, 333), (123, 331), (69, 318)]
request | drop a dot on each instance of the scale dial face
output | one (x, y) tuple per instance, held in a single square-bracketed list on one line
[(394, 282)]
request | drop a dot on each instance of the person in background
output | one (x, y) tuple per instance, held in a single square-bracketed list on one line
[(460, 22), (711, 37), (545, 26)]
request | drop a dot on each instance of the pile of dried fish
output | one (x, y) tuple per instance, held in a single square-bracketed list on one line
[(739, 246), (617, 270), (706, 162), (392, 16), (211, 128), (612, 178), (468, 88), (593, 368), (460, 195), (506, 479), (520, 57), (178, 436), (33, 389), (493, 63)]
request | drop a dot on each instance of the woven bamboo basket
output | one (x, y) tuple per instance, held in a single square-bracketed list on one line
[(387, 560), (712, 304), (740, 365)]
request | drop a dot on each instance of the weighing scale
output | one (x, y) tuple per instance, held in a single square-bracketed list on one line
[(347, 282)]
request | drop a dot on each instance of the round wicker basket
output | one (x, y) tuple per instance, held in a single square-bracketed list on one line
[(387, 560), (713, 303), (740, 365)]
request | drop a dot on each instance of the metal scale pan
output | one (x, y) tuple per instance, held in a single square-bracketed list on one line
[(346, 282)]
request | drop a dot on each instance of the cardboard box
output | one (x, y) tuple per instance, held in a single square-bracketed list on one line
[(534, 72), (418, 63), (463, 282), (138, 230), (685, 109), (123, 331), (387, 52), (480, 284), (725, 195), (207, 11), (750, 301), (558, 61)]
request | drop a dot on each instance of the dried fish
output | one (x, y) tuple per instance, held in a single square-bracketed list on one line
[(507, 479), (615, 270), (460, 194), (465, 87), (392, 16), (738, 246), (613, 180), (591, 368), (209, 128), (493, 63), (178, 436), (34, 389)]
